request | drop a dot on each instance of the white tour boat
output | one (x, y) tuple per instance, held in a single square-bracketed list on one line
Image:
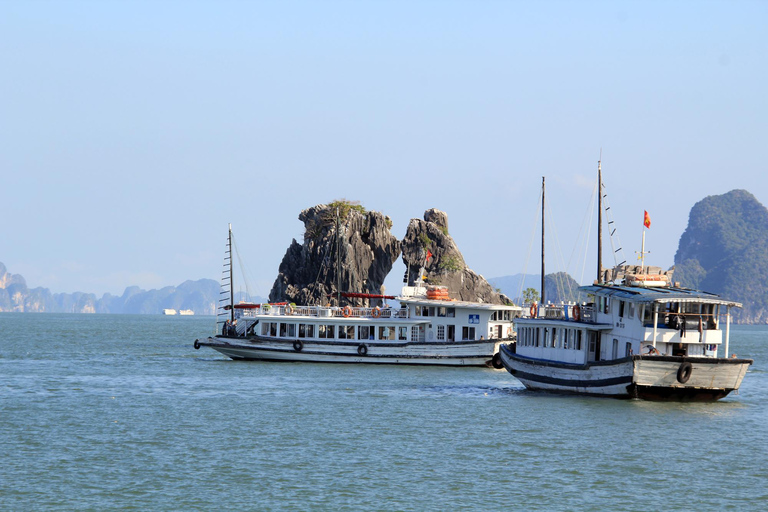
[(643, 338), (428, 328)]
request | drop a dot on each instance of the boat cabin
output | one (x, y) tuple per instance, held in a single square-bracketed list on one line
[(624, 320)]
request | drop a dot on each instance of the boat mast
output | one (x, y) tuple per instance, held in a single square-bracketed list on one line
[(338, 260), (542, 239), (231, 283), (599, 220)]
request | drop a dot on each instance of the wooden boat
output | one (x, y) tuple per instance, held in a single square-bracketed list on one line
[(643, 337)]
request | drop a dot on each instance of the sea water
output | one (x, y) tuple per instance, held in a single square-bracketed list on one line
[(119, 412)]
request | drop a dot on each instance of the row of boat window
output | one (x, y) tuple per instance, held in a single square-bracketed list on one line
[(628, 309), (550, 337), (341, 332), (361, 332)]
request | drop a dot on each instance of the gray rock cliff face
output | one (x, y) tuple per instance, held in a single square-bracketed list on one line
[(445, 266), (724, 250), (365, 246)]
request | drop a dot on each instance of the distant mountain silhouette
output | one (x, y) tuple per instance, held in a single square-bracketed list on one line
[(724, 250), (558, 287), (200, 296)]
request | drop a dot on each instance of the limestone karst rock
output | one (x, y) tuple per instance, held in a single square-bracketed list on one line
[(366, 248), (445, 266)]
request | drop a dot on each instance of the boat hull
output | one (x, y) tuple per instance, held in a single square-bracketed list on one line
[(645, 377), (458, 353)]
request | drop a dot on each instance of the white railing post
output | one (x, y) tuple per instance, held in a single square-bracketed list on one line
[(727, 330)]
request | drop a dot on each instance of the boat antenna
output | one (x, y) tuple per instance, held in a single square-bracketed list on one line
[(231, 283), (543, 188), (599, 219)]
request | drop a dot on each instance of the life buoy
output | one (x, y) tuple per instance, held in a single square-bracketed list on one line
[(684, 372), (362, 349), (534, 310), (288, 309), (576, 313), (376, 313), (347, 311), (496, 361), (197, 345), (298, 345)]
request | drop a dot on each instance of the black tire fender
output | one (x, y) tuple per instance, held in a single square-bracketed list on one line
[(496, 361), (298, 345), (684, 372), (362, 349), (197, 345)]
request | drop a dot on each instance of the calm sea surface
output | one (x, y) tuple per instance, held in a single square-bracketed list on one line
[(105, 412)]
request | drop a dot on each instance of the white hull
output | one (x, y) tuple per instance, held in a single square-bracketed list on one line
[(649, 377), (474, 353)]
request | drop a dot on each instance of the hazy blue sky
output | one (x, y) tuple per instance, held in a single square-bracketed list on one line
[(131, 133)]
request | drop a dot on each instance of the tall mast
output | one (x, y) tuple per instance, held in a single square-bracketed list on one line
[(542, 240), (599, 220), (231, 283), (338, 260)]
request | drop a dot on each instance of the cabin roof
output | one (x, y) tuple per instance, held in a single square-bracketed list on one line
[(457, 304), (650, 295)]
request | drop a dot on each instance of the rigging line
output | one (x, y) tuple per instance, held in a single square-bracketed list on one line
[(582, 240), (590, 215), (534, 225), (613, 232), (323, 264), (244, 271), (559, 277)]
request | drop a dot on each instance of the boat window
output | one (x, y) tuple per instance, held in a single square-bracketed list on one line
[(417, 311), (386, 333), (555, 341), (321, 331), (342, 332), (415, 333), (330, 332), (283, 329), (691, 308), (606, 305), (566, 334), (468, 333), (578, 340), (273, 328), (441, 311), (621, 309), (615, 351), (440, 332), (537, 336), (310, 331), (265, 329), (425, 311), (291, 330), (362, 332), (451, 312), (402, 333), (628, 350), (631, 307), (647, 314), (451, 333)]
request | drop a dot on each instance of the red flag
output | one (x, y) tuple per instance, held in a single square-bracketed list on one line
[(429, 254), (647, 220)]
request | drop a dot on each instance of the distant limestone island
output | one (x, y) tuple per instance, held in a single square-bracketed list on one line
[(199, 297), (724, 250)]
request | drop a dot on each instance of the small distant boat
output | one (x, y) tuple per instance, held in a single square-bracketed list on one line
[(169, 311), (186, 312), (427, 329), (642, 338)]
